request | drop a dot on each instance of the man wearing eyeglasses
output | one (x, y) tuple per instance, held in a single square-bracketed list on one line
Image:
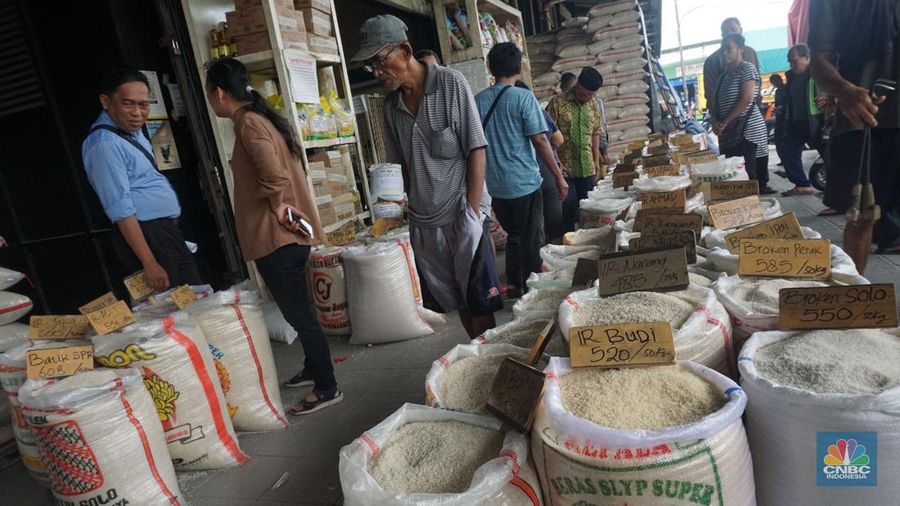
[(433, 130)]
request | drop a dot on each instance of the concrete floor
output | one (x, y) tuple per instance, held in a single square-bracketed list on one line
[(376, 381)]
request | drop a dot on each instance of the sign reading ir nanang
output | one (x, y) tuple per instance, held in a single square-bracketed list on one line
[(846, 459)]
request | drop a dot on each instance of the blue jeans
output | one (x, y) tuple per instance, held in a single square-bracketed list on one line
[(578, 190), (792, 150)]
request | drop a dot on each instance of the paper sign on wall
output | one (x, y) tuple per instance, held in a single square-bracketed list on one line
[(302, 74)]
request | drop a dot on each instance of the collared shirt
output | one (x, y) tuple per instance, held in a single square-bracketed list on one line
[(512, 168), (434, 145), (578, 124), (124, 179)]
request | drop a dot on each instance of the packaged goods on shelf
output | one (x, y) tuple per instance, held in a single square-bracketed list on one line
[(465, 459), (174, 358), (329, 288), (258, 42), (343, 119), (317, 22), (708, 459), (324, 46), (345, 204), (99, 434), (321, 5), (235, 329), (9, 277), (325, 209), (252, 20), (461, 379), (13, 306), (387, 211)]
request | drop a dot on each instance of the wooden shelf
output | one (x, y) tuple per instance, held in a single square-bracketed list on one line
[(327, 143), (326, 59), (258, 62), (498, 8), (336, 225)]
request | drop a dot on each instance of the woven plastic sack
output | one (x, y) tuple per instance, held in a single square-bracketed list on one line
[(579, 62), (843, 269), (381, 272), (783, 422), (551, 279), (614, 32), (573, 50), (329, 288), (179, 372), (386, 180), (598, 213), (625, 17), (630, 64), (613, 112), (611, 8), (530, 307), (9, 277), (621, 55), (607, 92), (507, 480), (588, 237), (557, 257), (628, 123), (633, 87), (628, 41), (635, 111), (523, 333), (635, 133), (278, 328), (13, 306), (235, 329), (597, 23), (623, 100), (100, 437), (662, 184), (435, 375), (580, 462), (704, 338), (547, 79), (11, 335)]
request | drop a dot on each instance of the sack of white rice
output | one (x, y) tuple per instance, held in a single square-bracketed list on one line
[(599, 213), (329, 290), (606, 92), (542, 303), (461, 379), (577, 63), (236, 332), (572, 50), (614, 32), (824, 415), (550, 279), (578, 21), (400, 236), (557, 257), (611, 9), (628, 41), (13, 306), (588, 237), (636, 133), (631, 64), (9, 277), (617, 78), (612, 112), (548, 79), (625, 17), (597, 23), (635, 111), (99, 435), (633, 87), (427, 456), (180, 373), (381, 272), (624, 100), (843, 269), (523, 333), (700, 326), (11, 335), (621, 56), (657, 435), (278, 328)]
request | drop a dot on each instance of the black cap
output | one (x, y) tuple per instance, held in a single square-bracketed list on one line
[(590, 79)]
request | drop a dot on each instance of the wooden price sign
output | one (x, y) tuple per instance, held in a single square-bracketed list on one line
[(111, 318), (585, 273), (183, 296), (656, 160), (540, 344), (837, 307), (789, 258), (662, 170), (705, 156), (58, 362), (635, 145), (107, 299), (663, 200), (684, 238), (138, 287), (632, 156), (660, 270), (623, 179), (782, 227), (623, 345), (730, 190), (682, 139), (736, 213), (655, 224), (58, 327), (515, 393), (624, 167), (658, 149)]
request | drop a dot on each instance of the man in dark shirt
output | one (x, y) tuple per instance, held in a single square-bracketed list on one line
[(802, 121), (714, 66), (780, 104)]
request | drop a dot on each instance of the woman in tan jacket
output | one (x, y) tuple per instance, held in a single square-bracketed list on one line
[(269, 183)]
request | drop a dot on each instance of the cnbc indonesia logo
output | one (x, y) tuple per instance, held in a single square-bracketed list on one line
[(847, 461)]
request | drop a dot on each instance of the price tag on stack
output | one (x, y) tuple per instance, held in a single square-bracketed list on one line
[(837, 307), (58, 362), (685, 239), (58, 327), (138, 286), (622, 345), (663, 269), (183, 296), (790, 258), (111, 318), (659, 223), (674, 200), (782, 227), (736, 213), (731, 190)]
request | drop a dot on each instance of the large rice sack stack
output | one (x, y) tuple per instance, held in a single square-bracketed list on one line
[(461, 379), (99, 435), (426, 456), (700, 325), (824, 416), (11, 335), (179, 372), (329, 288), (541, 56), (663, 435), (235, 329)]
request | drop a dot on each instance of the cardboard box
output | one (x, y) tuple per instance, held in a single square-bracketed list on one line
[(253, 20), (256, 42), (338, 183), (320, 183), (317, 22), (319, 45), (245, 4), (332, 161), (325, 207), (321, 5), (344, 206)]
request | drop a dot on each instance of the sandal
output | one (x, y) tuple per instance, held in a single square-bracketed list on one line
[(301, 379), (322, 401), (828, 212)]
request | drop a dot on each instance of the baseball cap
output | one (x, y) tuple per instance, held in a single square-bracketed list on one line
[(377, 33)]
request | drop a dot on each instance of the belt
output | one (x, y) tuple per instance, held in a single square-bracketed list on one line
[(162, 221)]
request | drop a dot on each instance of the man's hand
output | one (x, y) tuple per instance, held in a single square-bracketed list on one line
[(857, 105), (822, 100), (562, 187), (718, 127), (281, 215), (156, 276)]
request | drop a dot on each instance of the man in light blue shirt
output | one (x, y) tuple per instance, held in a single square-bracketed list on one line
[(514, 126), (118, 159)]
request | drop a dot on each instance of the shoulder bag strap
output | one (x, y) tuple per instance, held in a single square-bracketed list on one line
[(130, 140), (487, 117)]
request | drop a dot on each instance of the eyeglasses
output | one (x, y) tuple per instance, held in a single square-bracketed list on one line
[(379, 63)]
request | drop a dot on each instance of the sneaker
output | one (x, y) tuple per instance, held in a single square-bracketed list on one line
[(323, 400), (301, 379)]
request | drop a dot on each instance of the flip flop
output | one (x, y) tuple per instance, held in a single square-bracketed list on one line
[(828, 212)]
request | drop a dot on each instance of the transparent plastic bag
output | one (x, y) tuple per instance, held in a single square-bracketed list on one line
[(9, 277), (551, 279)]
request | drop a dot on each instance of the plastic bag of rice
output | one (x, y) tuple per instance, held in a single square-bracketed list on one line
[(597, 23), (700, 325), (540, 304), (593, 213), (628, 41), (461, 379), (588, 237), (13, 306), (828, 400), (11, 335), (432, 457), (551, 279), (180, 373), (9, 277), (657, 435), (607, 92), (99, 434), (523, 333), (329, 290), (633, 87), (235, 329)]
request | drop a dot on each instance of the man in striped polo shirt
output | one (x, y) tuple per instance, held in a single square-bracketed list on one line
[(433, 130)]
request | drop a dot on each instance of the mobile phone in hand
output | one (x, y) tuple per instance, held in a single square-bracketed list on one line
[(305, 228)]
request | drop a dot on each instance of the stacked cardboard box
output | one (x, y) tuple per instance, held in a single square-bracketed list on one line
[(247, 26), (319, 27)]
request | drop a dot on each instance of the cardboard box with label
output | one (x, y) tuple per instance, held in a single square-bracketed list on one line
[(338, 183), (253, 20), (246, 4), (332, 160), (317, 22), (319, 45), (325, 207), (319, 179), (321, 5), (257, 42), (344, 206)]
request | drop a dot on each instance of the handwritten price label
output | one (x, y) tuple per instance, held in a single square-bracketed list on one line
[(540, 344), (515, 393), (701, 157), (801, 258), (685, 239), (837, 307), (622, 345), (736, 213), (663, 200), (138, 286), (656, 160), (782, 227), (654, 224), (662, 170), (58, 327), (661, 270), (183, 296), (107, 299), (111, 318), (59, 362), (730, 190), (623, 179)]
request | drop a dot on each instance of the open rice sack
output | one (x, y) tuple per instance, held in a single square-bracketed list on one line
[(665, 435), (13, 306), (432, 457), (596, 213), (823, 416), (99, 435), (557, 257), (561, 278), (843, 269), (700, 326), (381, 272), (180, 373), (523, 333), (540, 304), (235, 329), (329, 289), (588, 237), (461, 379)]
